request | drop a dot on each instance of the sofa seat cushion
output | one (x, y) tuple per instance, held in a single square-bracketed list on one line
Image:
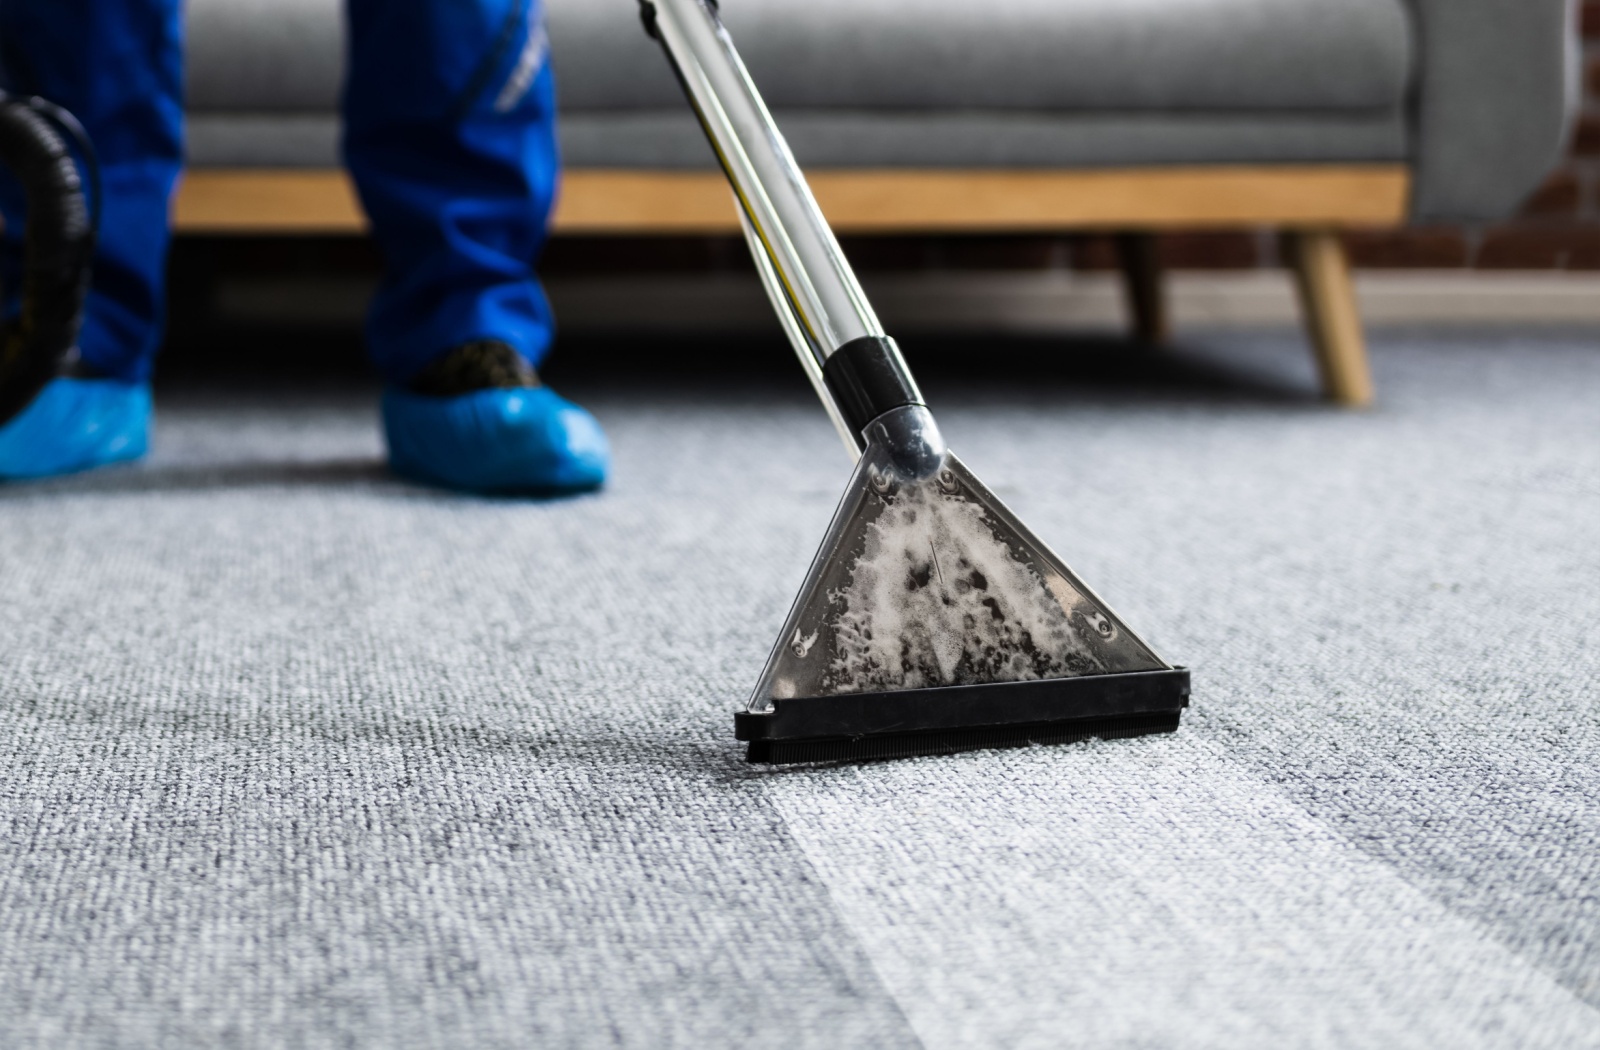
[(875, 139), (1102, 55)]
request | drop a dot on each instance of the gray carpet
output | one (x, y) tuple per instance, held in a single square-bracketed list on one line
[(293, 754)]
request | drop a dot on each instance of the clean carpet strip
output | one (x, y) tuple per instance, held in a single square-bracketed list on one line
[(1153, 896)]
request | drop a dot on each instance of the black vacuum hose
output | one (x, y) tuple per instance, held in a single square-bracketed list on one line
[(41, 342)]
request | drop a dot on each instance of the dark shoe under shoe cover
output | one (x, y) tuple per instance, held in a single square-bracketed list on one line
[(477, 420), (76, 424)]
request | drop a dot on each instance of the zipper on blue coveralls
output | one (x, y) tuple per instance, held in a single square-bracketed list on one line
[(527, 66)]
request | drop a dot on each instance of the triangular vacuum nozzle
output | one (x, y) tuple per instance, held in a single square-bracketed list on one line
[(932, 620)]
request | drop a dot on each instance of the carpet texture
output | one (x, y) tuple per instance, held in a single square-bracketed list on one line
[(293, 754)]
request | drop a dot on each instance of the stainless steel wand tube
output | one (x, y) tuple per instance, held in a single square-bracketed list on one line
[(823, 291)]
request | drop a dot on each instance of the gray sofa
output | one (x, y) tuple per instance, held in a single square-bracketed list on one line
[(1298, 114), (1474, 95)]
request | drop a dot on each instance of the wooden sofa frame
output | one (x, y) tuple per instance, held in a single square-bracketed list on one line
[(1308, 203)]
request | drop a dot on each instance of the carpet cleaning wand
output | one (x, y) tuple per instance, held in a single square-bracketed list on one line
[(931, 619)]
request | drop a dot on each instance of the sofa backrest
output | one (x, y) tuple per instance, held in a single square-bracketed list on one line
[(1119, 55)]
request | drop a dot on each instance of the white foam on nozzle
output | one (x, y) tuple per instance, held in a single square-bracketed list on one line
[(937, 599)]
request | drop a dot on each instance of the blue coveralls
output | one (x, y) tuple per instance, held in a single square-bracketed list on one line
[(449, 116)]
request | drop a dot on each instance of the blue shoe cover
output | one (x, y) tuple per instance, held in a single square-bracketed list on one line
[(526, 439), (76, 424)]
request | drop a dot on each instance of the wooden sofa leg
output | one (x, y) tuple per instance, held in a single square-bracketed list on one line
[(1139, 256), (1332, 317)]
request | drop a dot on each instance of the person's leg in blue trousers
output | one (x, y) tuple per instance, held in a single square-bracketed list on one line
[(450, 135), (117, 65)]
